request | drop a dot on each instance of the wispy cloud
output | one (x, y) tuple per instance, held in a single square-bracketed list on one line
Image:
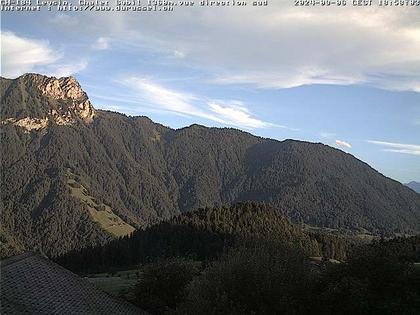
[(288, 78), (179, 54), (235, 113), (66, 69), (232, 112), (21, 54), (168, 99), (102, 43), (327, 134), (343, 144), (65, 20), (413, 149)]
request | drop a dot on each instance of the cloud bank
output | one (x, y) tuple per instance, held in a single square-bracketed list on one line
[(20, 54), (282, 46), (279, 46)]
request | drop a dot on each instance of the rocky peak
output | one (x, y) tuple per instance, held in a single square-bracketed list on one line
[(55, 88), (67, 89), (64, 101), (63, 88), (80, 105)]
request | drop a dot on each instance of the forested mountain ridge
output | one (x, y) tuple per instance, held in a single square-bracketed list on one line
[(204, 234), (69, 171)]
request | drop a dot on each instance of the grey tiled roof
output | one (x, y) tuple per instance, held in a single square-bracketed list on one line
[(31, 284)]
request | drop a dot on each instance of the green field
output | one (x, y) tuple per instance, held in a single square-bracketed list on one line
[(100, 212), (118, 284)]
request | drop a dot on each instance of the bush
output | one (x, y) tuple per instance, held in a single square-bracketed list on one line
[(161, 285), (254, 278), (375, 280)]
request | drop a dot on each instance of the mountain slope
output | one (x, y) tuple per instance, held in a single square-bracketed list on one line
[(414, 186), (138, 172)]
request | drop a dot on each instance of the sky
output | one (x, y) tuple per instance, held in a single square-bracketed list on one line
[(348, 77)]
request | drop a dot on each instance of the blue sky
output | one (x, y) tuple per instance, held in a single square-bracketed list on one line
[(348, 77)]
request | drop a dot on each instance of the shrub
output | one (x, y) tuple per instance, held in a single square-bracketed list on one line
[(161, 285), (254, 278)]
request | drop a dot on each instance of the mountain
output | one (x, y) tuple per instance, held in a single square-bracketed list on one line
[(414, 186), (74, 176)]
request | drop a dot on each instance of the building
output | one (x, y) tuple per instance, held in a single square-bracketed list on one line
[(31, 284)]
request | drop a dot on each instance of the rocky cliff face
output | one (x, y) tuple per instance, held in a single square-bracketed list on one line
[(77, 101), (63, 100)]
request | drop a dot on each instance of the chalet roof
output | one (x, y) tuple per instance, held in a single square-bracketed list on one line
[(31, 284)]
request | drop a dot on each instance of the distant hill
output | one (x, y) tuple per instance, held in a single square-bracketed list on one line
[(204, 234), (414, 186), (74, 176)]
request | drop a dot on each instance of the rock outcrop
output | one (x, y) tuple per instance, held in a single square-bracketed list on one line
[(67, 103), (28, 123)]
